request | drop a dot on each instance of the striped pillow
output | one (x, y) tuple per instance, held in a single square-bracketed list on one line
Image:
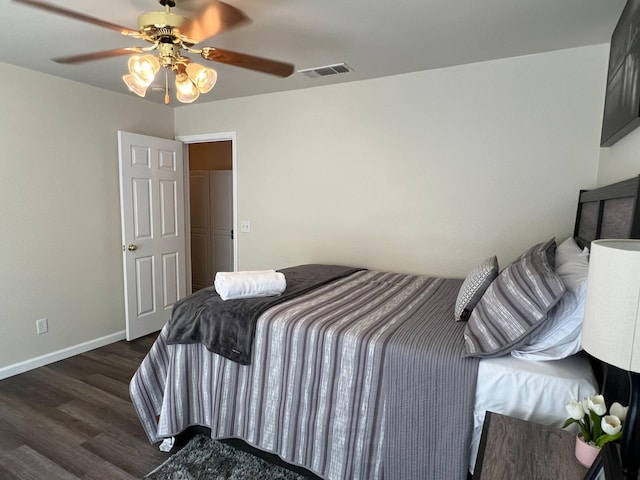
[(474, 287), (548, 247), (514, 305)]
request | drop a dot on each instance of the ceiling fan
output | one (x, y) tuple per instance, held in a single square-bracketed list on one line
[(169, 35)]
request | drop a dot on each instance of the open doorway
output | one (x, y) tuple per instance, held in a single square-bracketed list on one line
[(211, 202), (211, 211)]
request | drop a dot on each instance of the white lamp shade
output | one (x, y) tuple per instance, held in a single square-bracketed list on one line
[(611, 329)]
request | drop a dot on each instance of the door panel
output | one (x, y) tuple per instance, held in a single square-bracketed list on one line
[(141, 208), (153, 234), (169, 213), (224, 253), (167, 160), (201, 250), (170, 265), (144, 286), (222, 188), (199, 268)]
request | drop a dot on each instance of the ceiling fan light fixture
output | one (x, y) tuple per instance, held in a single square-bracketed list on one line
[(143, 68), (186, 91), (203, 78), (134, 85), (169, 35)]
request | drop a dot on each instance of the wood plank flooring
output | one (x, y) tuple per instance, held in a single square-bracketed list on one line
[(73, 419)]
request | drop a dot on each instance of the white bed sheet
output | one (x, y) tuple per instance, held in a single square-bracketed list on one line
[(530, 390)]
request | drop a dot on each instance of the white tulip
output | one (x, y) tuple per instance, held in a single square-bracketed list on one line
[(597, 405), (611, 424), (575, 409), (619, 411)]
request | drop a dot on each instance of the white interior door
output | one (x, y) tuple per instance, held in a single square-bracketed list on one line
[(153, 231), (222, 188)]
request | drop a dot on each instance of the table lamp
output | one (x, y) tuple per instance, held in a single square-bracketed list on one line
[(611, 329)]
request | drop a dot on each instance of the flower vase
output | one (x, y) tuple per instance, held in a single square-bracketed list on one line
[(586, 453)]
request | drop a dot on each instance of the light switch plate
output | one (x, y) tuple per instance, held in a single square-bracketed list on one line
[(42, 326)]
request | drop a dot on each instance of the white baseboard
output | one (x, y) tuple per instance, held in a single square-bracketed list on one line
[(48, 358)]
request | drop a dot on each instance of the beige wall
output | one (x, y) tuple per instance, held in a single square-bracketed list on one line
[(427, 172), (59, 210), (621, 160)]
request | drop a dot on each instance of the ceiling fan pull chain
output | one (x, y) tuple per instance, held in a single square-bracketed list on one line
[(166, 87)]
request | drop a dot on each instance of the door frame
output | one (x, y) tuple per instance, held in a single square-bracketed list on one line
[(206, 138)]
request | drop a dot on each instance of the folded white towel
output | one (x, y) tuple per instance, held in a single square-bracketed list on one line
[(248, 284)]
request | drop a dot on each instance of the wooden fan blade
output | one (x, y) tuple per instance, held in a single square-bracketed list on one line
[(250, 62), (211, 20), (87, 57), (78, 16)]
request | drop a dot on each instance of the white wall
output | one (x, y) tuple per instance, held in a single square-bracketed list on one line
[(621, 160), (427, 172), (59, 210)]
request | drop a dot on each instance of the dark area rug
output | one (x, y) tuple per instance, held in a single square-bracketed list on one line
[(206, 459)]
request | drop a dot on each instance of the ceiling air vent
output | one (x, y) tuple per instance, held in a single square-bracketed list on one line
[(326, 70)]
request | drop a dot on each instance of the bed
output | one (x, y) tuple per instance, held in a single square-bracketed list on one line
[(372, 376)]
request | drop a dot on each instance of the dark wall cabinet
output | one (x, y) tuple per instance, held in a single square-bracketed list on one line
[(622, 102)]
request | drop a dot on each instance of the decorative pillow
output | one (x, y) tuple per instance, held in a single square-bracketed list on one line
[(514, 305), (474, 287), (559, 336), (549, 249)]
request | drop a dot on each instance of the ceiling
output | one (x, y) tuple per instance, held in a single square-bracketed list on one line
[(376, 38)]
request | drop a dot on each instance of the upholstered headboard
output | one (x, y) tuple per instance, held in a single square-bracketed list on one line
[(609, 212)]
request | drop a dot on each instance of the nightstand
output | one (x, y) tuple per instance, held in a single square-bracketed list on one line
[(511, 448)]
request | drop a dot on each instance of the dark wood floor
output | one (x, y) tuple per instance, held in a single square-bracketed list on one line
[(73, 419)]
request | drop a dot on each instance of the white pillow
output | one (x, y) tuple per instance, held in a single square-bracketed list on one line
[(566, 251), (559, 336)]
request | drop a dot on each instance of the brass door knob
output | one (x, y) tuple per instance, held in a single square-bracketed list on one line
[(132, 247)]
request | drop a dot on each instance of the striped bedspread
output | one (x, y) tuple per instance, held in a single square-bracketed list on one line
[(361, 379)]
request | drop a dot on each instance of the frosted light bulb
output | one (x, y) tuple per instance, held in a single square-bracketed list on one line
[(144, 68), (186, 92), (203, 78)]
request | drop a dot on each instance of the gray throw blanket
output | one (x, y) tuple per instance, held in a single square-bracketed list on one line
[(227, 327)]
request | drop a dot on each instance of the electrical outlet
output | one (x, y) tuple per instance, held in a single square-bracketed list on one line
[(245, 226), (42, 326)]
